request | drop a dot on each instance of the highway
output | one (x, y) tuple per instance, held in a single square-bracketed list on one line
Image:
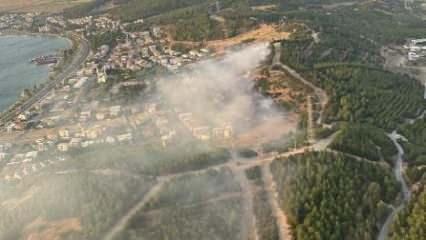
[(78, 58)]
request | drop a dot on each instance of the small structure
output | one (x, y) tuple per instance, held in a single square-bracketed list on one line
[(63, 147), (64, 133), (127, 137), (114, 111)]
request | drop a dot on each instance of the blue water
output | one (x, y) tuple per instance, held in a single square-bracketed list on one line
[(16, 72)]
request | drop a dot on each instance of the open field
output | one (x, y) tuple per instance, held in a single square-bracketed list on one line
[(264, 33), (38, 5)]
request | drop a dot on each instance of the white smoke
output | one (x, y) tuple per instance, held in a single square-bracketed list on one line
[(220, 91)]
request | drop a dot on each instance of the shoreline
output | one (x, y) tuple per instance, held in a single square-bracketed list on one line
[(11, 33)]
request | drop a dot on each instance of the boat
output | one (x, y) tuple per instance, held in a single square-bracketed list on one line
[(43, 60)]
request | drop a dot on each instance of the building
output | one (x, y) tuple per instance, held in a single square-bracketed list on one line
[(64, 133), (127, 137), (202, 133), (102, 76), (63, 147), (166, 139), (75, 142), (115, 111)]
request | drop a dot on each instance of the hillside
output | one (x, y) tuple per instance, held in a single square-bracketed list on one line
[(52, 6)]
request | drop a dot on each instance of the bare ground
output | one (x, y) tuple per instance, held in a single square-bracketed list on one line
[(40, 229)]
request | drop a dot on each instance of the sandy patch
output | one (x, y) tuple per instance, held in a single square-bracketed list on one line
[(264, 33), (40, 229), (267, 131)]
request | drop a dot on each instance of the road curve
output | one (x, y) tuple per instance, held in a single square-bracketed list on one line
[(406, 194)]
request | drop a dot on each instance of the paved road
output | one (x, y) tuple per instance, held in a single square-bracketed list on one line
[(406, 193), (78, 58)]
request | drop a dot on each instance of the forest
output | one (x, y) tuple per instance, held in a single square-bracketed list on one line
[(150, 161), (415, 149), (410, 223), (349, 34), (331, 196), (367, 95), (365, 141)]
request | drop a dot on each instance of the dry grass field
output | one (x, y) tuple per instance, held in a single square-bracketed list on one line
[(37, 5)]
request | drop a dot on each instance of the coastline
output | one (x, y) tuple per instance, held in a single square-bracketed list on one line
[(6, 33), (19, 104)]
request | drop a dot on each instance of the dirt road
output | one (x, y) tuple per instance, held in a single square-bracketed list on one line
[(271, 189), (320, 93), (122, 223), (248, 224)]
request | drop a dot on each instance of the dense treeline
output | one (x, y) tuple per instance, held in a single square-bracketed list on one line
[(148, 8), (135, 9), (349, 34), (365, 141), (150, 161), (309, 4), (195, 26), (329, 196), (410, 223), (82, 9), (367, 95), (192, 20), (344, 59), (415, 149), (365, 23)]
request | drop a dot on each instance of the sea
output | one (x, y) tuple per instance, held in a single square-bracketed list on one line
[(16, 71)]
